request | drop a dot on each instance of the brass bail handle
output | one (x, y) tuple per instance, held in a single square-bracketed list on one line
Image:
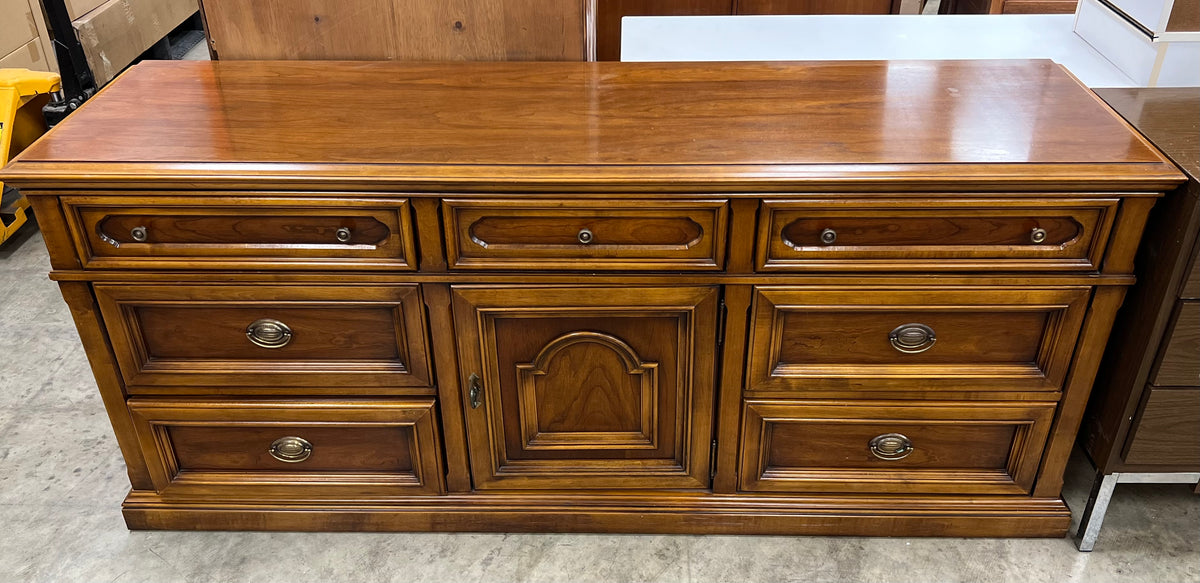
[(291, 449), (890, 446), (912, 338), (269, 333)]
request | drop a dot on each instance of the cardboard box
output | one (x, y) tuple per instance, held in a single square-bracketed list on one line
[(22, 23), (28, 56), (77, 8), (17, 25), (114, 34)]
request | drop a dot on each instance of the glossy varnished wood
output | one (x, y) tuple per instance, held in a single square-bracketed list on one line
[(370, 338), (229, 232), (631, 124), (837, 339), (799, 446), (568, 235), (679, 371), (211, 450), (588, 387), (950, 235)]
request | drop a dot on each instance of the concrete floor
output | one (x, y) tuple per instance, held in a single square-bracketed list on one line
[(62, 481)]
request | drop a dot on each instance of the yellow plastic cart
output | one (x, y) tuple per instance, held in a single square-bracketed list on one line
[(22, 95)]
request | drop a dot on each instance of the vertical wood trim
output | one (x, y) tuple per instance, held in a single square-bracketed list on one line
[(86, 314), (1127, 234), (729, 387), (53, 225), (742, 229), (1088, 354), (429, 235), (450, 406)]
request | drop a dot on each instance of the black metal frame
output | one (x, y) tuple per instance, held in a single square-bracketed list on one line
[(78, 83)]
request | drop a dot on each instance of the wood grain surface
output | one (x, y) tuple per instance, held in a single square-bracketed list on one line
[(983, 121)]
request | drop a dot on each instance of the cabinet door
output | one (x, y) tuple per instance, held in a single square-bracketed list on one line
[(587, 387)]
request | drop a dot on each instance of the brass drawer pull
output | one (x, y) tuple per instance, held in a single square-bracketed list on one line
[(269, 333), (1038, 235), (343, 235), (138, 234), (912, 338), (291, 449), (585, 236), (890, 446), (828, 236)]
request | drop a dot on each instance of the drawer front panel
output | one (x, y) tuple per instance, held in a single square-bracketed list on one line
[(267, 335), (892, 447), (277, 449), (934, 236), (863, 339), (1179, 361), (231, 232), (620, 235), (1191, 285), (1164, 430)]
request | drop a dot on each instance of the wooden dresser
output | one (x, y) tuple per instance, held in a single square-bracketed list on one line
[(860, 298), (1143, 421)]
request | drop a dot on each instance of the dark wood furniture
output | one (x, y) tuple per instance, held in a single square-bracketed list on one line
[(1143, 420), (860, 298)]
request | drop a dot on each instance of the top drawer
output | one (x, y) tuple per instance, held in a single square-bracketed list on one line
[(241, 232), (940, 235), (631, 235)]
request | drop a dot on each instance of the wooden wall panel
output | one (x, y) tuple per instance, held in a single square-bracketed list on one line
[(815, 7), (482, 30)]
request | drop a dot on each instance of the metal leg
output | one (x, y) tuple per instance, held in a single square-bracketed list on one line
[(1093, 514)]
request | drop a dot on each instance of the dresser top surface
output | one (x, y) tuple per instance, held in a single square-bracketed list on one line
[(877, 120), (1169, 116)]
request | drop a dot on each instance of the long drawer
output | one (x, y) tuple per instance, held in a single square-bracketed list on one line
[(237, 232), (939, 235), (1164, 428), (634, 235), (289, 449), (1179, 360), (266, 336), (892, 447), (912, 338)]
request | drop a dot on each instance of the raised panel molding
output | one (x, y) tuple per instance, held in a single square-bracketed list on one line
[(535, 381)]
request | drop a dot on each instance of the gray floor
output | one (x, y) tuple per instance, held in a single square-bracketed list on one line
[(61, 485)]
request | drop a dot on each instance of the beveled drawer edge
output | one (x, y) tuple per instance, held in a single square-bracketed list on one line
[(151, 416), (715, 261), (72, 204), (1108, 208)]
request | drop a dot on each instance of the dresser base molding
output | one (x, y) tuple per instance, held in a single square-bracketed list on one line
[(635, 513)]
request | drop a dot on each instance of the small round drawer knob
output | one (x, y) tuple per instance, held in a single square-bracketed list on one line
[(138, 234), (890, 446), (290, 449), (585, 236), (829, 236), (269, 333), (1038, 235), (912, 338), (343, 235)]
